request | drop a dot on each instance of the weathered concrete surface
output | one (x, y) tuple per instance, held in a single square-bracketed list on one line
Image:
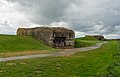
[(53, 36), (65, 52)]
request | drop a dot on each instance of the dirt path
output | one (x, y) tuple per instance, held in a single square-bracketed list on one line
[(65, 52)]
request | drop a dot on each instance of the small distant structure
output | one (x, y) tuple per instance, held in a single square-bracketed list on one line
[(57, 37), (98, 37)]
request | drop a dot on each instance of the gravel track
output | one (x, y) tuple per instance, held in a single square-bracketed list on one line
[(65, 52)]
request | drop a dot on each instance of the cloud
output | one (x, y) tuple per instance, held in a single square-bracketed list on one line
[(10, 17), (43, 11), (83, 16)]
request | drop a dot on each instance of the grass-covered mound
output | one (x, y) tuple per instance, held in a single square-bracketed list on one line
[(85, 41), (14, 43), (88, 38)]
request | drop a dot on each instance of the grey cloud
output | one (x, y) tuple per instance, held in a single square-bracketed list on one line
[(89, 16), (44, 11)]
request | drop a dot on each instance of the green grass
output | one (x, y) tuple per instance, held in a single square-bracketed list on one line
[(102, 62), (14, 43), (84, 43), (88, 38)]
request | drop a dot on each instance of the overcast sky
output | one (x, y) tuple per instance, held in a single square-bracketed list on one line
[(82, 16)]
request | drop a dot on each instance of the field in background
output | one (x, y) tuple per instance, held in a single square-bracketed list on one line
[(102, 62), (85, 41), (88, 38)]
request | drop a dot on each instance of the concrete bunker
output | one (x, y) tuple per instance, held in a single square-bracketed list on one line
[(57, 37)]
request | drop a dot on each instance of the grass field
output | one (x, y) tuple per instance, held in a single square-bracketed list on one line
[(13, 43), (88, 38), (85, 41), (103, 62)]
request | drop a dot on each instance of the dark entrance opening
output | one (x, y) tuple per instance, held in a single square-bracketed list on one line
[(59, 41)]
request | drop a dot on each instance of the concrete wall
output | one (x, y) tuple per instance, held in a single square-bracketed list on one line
[(48, 34)]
